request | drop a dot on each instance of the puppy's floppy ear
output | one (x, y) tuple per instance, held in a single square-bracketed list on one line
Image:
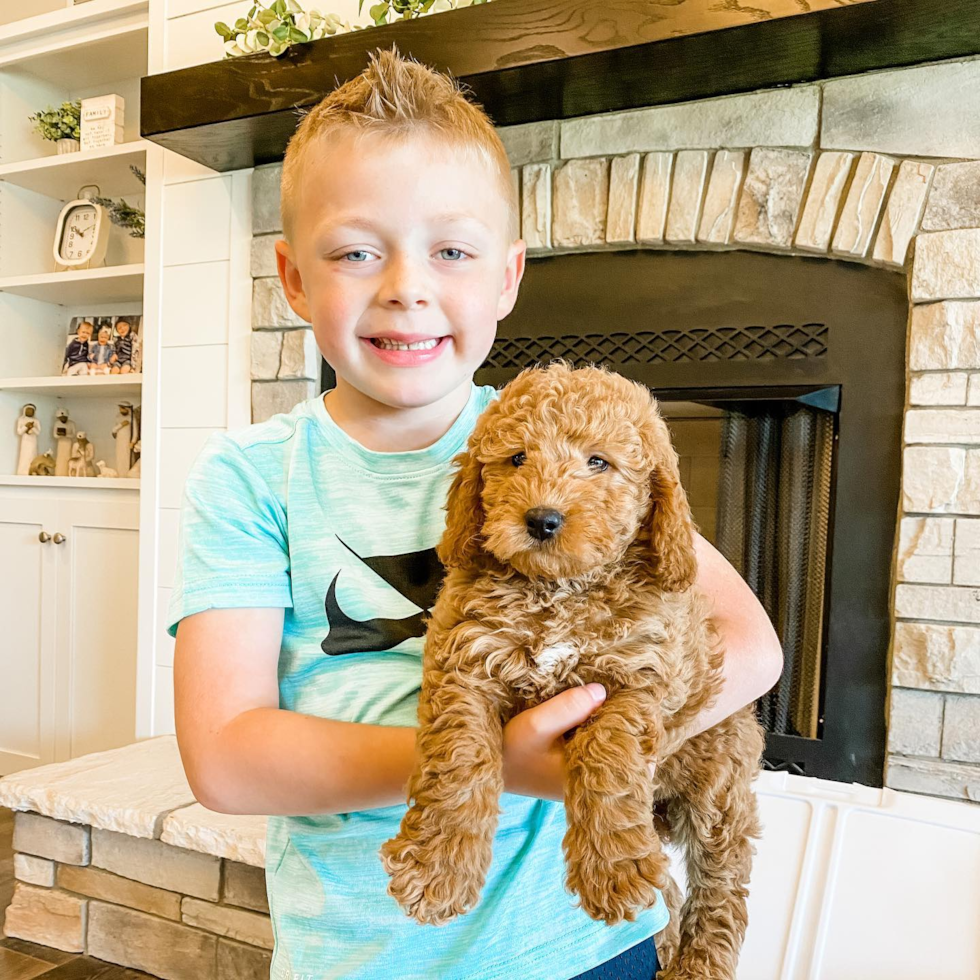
[(460, 542), (669, 530)]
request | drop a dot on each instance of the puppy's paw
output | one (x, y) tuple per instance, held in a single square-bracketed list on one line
[(611, 890), (430, 888)]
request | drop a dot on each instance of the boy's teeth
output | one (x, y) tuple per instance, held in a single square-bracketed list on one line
[(391, 345)]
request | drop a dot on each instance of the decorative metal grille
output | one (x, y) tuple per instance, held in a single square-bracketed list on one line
[(775, 765), (753, 343)]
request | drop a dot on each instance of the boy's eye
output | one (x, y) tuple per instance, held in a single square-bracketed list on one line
[(598, 464), (518, 459), (458, 253), (357, 252)]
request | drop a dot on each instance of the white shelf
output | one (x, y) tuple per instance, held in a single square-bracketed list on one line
[(112, 284), (60, 176), (77, 387), (109, 483), (100, 41)]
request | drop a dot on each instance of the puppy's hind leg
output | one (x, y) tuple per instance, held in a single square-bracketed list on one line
[(715, 819)]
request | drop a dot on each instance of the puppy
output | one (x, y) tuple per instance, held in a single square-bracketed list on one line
[(570, 559)]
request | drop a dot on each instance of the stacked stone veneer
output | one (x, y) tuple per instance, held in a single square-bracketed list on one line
[(881, 169), (114, 858)]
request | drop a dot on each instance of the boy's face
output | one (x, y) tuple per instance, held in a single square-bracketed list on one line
[(397, 242), (84, 331), (122, 328)]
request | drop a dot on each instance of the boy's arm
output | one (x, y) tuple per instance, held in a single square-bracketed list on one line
[(243, 754), (753, 654)]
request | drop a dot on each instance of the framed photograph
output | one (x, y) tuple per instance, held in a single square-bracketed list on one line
[(103, 345)]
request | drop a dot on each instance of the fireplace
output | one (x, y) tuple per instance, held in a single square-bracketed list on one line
[(782, 378)]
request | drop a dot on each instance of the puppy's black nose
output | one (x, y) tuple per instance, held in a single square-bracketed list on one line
[(543, 522)]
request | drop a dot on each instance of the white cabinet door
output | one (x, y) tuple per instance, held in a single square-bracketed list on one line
[(97, 613), (28, 609)]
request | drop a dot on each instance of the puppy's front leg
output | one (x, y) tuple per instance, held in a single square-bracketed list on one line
[(613, 855), (439, 859)]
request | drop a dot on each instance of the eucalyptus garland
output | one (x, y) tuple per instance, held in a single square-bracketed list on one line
[(123, 214), (275, 27)]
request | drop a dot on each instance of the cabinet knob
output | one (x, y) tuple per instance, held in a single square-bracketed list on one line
[(59, 538), (44, 537)]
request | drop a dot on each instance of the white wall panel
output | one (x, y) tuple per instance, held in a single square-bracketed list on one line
[(165, 646), (196, 221), (192, 39), (167, 550), (177, 168), (195, 304), (194, 387), (163, 700), (178, 450)]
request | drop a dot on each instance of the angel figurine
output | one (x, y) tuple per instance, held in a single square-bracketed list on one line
[(122, 432), (64, 434), (82, 454), (28, 428)]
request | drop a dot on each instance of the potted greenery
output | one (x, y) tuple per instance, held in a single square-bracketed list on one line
[(62, 125)]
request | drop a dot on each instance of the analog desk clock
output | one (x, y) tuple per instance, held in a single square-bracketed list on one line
[(82, 235)]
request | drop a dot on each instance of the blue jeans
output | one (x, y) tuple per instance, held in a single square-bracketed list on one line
[(637, 963)]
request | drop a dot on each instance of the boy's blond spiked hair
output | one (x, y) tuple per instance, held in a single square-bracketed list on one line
[(397, 97)]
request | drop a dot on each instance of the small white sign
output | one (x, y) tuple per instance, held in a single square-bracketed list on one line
[(102, 121)]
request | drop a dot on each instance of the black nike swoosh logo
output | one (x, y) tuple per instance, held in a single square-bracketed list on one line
[(416, 575)]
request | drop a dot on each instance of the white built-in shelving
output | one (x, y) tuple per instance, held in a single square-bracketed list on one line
[(49, 482), (93, 386), (60, 175), (110, 284), (66, 543)]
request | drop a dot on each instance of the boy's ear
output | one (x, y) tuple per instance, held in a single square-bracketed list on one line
[(292, 282), (512, 277)]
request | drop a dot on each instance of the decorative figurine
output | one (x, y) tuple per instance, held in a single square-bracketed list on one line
[(28, 428), (122, 432), (64, 433), (43, 465), (134, 472), (82, 452), (105, 471)]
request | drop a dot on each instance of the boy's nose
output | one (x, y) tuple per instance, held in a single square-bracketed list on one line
[(405, 284), (543, 522)]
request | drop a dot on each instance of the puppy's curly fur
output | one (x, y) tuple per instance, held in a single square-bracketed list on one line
[(606, 597)]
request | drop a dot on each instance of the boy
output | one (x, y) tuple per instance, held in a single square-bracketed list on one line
[(77, 351), (307, 560)]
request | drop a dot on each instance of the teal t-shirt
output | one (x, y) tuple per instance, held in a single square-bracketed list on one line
[(294, 513)]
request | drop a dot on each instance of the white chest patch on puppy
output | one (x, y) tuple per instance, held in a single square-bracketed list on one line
[(558, 655)]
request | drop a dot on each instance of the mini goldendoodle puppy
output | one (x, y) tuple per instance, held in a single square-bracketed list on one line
[(570, 559)]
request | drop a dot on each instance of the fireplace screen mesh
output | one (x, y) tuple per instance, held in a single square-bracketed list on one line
[(774, 499)]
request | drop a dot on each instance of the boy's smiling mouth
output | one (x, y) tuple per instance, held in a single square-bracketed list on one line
[(407, 349)]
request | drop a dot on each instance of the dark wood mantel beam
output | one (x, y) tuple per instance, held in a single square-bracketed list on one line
[(527, 60)]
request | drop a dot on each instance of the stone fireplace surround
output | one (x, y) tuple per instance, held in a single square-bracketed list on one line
[(881, 169)]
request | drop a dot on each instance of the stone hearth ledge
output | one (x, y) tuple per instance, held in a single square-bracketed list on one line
[(139, 790)]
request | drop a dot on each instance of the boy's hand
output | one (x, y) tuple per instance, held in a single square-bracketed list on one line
[(534, 745)]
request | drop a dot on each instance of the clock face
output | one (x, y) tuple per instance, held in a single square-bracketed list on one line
[(78, 233)]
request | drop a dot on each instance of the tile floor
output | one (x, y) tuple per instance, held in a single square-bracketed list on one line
[(21, 960)]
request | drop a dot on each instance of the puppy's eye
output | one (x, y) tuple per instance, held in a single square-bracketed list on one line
[(518, 459), (598, 464)]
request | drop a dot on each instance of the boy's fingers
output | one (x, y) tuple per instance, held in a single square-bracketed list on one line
[(555, 716)]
